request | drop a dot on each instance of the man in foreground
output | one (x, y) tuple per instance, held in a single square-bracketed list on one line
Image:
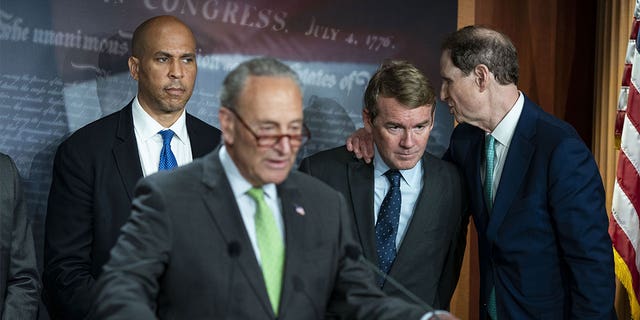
[(235, 234)]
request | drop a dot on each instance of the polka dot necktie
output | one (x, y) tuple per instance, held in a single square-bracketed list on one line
[(167, 159), (387, 225), (271, 247)]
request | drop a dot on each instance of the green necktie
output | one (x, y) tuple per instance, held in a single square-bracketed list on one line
[(490, 153), (271, 247)]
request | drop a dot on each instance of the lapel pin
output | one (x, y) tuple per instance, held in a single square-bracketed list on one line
[(300, 210)]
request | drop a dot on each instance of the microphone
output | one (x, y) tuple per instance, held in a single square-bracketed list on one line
[(298, 286), (233, 249), (353, 252)]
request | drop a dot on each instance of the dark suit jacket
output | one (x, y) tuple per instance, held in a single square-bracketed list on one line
[(94, 174), (185, 254), (19, 279), (429, 258), (545, 245)]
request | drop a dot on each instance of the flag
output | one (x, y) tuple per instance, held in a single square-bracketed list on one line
[(624, 224)]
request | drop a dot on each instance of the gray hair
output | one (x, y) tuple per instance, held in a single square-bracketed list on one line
[(235, 81), (475, 45)]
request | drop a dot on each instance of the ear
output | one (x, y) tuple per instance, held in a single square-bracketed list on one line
[(433, 115), (225, 117), (366, 119), (483, 75), (134, 67)]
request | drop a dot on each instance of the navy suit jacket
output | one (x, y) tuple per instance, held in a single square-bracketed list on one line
[(94, 174), (430, 256), (545, 245)]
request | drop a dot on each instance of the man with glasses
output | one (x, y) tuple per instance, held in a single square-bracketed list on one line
[(236, 235), (420, 241)]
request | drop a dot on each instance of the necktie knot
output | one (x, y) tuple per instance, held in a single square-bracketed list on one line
[(394, 177), (256, 194), (167, 135), (167, 158)]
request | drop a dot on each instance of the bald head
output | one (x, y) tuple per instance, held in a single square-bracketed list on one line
[(150, 29), (163, 62)]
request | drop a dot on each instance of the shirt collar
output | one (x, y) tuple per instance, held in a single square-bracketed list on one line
[(505, 129), (147, 127), (410, 176), (240, 185)]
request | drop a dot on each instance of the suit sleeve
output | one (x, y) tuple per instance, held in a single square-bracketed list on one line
[(305, 166), (128, 286), (355, 295), (23, 283), (67, 274), (577, 207)]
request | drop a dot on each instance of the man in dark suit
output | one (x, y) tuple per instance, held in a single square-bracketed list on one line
[(537, 196), (19, 280), (236, 235), (428, 233), (96, 168)]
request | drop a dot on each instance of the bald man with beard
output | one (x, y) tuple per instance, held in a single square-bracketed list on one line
[(96, 168)]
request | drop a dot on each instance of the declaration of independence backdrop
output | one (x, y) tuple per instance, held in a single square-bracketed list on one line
[(63, 64)]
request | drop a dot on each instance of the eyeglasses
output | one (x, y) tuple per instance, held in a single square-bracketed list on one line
[(295, 140)]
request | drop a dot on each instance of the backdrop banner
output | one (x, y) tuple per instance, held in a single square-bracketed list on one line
[(63, 64)]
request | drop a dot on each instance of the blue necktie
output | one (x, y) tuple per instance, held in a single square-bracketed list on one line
[(387, 225), (490, 152), (167, 159)]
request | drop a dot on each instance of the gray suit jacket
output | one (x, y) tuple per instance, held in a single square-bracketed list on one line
[(19, 280), (185, 254), (430, 256)]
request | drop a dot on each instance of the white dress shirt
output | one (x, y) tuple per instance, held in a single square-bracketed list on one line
[(503, 133), (150, 141)]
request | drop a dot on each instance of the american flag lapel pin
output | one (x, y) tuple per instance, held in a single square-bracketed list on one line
[(299, 210)]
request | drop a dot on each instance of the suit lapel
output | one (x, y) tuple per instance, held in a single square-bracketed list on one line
[(224, 211), (423, 215), (200, 141), (361, 186), (296, 236), (515, 167), (472, 165), (125, 151)]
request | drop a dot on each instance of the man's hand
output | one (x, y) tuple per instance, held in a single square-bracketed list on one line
[(361, 143), (439, 315)]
